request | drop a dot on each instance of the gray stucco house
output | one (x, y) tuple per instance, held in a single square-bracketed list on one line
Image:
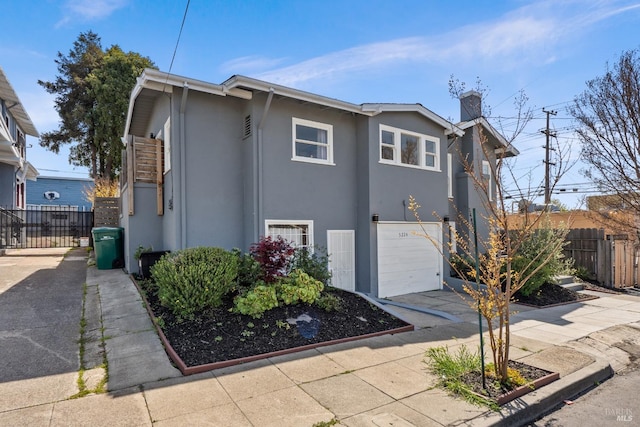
[(224, 164), (15, 124)]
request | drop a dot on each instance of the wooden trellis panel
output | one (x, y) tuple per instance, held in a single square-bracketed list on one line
[(106, 212), (145, 163)]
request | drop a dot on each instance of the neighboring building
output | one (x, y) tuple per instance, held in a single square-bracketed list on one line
[(59, 191), (225, 164), (15, 170)]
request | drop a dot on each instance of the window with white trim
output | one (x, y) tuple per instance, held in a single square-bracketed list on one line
[(298, 233), (486, 174), (312, 141), (405, 148)]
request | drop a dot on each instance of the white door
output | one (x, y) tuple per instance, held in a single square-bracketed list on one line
[(407, 260), (342, 258)]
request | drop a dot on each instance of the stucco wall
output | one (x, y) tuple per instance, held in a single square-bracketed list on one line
[(298, 190)]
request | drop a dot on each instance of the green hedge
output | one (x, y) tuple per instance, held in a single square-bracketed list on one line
[(195, 279)]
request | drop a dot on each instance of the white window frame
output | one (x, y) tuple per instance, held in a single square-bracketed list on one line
[(450, 173), (329, 145), (167, 145), (308, 223), (422, 152), (486, 172)]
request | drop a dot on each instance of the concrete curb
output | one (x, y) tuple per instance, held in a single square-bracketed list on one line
[(538, 403)]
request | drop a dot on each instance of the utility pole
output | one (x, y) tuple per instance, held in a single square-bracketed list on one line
[(547, 161)]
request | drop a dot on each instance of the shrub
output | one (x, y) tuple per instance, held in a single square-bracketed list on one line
[(299, 287), (274, 256), (194, 279), (256, 301), (249, 272), (329, 302), (462, 266), (582, 273), (314, 264), (544, 247)]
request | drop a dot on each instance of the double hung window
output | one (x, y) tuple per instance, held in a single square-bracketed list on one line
[(312, 141)]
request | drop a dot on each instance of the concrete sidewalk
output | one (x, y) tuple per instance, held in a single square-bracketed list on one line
[(373, 382)]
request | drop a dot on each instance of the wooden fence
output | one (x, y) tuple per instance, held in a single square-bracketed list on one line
[(611, 259)]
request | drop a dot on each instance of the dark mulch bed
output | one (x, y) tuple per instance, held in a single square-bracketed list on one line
[(550, 294), (219, 335), (494, 389)]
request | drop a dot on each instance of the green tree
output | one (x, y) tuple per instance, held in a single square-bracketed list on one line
[(73, 101), (92, 95), (499, 267), (110, 86)]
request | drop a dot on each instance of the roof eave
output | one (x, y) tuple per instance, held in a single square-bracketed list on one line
[(159, 81), (450, 128), (504, 147), (17, 109), (239, 82)]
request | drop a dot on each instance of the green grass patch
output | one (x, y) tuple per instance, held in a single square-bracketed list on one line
[(450, 368)]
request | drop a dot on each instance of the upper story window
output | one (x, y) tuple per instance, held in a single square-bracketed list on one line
[(406, 148), (312, 141)]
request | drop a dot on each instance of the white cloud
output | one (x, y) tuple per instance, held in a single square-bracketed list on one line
[(354, 59), (524, 37), (89, 10), (249, 64)]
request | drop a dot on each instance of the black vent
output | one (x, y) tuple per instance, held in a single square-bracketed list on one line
[(247, 126)]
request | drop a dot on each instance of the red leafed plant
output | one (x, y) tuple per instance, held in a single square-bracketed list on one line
[(274, 256)]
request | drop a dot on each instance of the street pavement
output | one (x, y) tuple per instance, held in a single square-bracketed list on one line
[(378, 381)]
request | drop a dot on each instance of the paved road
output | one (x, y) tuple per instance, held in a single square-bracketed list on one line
[(40, 313), (613, 403)]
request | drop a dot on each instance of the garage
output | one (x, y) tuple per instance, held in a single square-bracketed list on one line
[(407, 261)]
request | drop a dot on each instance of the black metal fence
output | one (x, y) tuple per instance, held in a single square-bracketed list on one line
[(45, 227)]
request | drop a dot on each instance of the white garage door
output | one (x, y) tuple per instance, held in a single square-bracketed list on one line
[(408, 262)]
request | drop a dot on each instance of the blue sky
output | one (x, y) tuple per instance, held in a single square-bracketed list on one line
[(356, 50)]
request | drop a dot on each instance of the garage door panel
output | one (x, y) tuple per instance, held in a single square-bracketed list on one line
[(407, 261)]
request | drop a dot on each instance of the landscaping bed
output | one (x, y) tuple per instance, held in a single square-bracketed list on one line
[(502, 394), (551, 294), (219, 337)]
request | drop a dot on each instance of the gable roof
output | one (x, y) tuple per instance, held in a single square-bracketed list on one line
[(141, 100), (15, 106), (500, 143), (415, 108)]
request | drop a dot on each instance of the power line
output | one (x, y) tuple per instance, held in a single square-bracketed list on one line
[(175, 50)]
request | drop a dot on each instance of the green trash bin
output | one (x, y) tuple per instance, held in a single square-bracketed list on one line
[(108, 244)]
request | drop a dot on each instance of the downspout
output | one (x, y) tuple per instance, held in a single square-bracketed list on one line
[(259, 172), (183, 169)]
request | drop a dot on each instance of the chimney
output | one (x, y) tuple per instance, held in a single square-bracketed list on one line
[(470, 105)]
